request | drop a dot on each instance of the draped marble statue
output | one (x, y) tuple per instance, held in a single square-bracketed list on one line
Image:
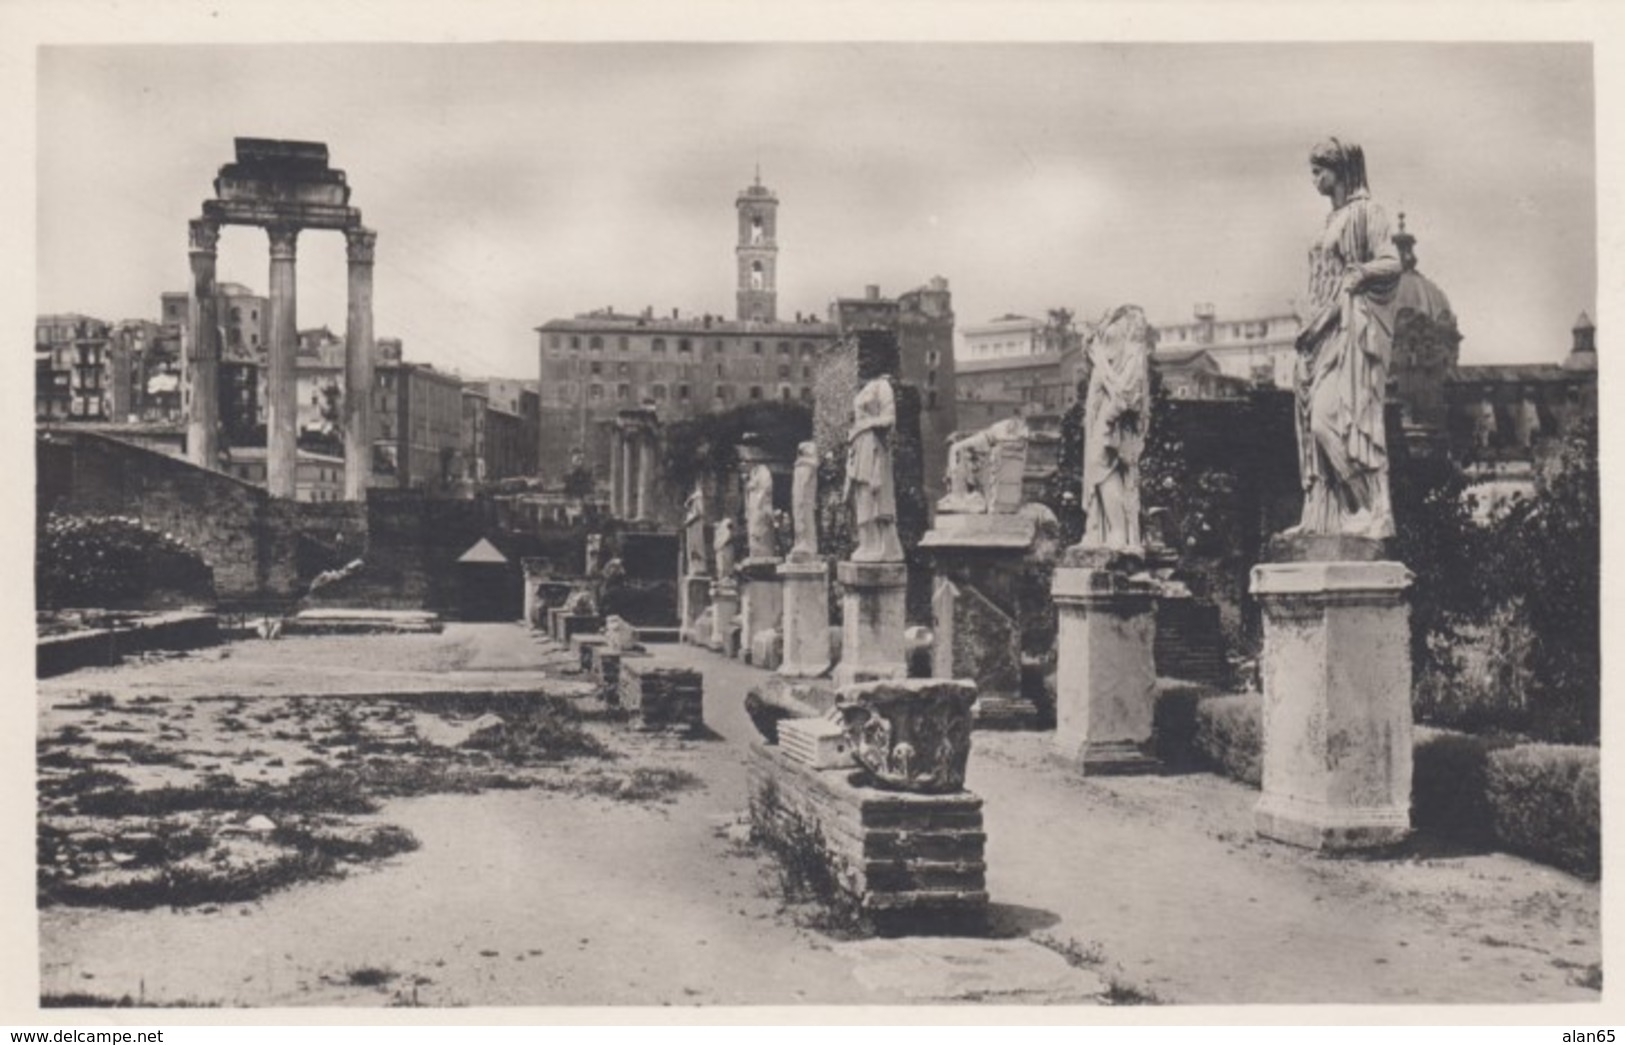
[(1343, 354), (870, 488), (804, 503), (1117, 404), (985, 469), (759, 530), (722, 545), (694, 531)]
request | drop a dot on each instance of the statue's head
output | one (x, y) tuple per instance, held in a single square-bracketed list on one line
[(1344, 160), (807, 451)]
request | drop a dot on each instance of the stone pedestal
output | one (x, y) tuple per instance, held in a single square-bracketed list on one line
[(1337, 703), (804, 595), (1106, 678), (872, 621), (694, 597), (992, 616), (724, 614), (761, 604), (536, 571)]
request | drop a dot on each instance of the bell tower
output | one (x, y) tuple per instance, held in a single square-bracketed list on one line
[(758, 253)]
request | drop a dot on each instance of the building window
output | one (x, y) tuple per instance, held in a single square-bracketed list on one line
[(756, 391), (930, 400), (596, 391), (625, 345), (785, 392), (685, 345), (723, 392), (806, 350), (784, 348), (756, 347), (931, 377), (659, 393), (658, 345), (575, 342), (806, 393), (682, 392), (595, 344), (806, 373), (622, 369), (716, 345), (784, 371), (596, 367), (623, 391)]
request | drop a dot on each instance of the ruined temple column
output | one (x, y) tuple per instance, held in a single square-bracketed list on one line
[(646, 474), (203, 350), (358, 350), (282, 410), (629, 462), (616, 437)]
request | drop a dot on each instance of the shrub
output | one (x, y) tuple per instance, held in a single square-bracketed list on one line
[(111, 560), (1544, 803), (1230, 736), (1448, 785)]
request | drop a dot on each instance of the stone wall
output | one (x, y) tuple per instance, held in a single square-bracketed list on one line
[(249, 540)]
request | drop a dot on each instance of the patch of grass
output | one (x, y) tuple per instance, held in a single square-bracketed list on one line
[(641, 785), (370, 976), (531, 735), (1121, 992), (86, 1000), (141, 753), (375, 842), (1088, 955), (83, 780)]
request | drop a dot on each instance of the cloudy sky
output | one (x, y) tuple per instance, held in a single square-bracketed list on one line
[(515, 183)]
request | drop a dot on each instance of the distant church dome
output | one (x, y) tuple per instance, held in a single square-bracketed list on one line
[(1416, 292)]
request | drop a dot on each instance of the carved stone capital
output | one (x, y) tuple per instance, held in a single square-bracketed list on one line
[(203, 235), (284, 241), (359, 243)]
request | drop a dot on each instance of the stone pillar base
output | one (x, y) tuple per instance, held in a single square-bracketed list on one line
[(872, 615), (1337, 703), (694, 596), (804, 600), (724, 611), (761, 604), (1106, 678)]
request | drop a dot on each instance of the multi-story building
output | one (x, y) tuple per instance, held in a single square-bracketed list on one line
[(317, 477), (476, 407), (598, 363), (71, 367), (923, 321), (1260, 349), (245, 320), (504, 444), (417, 426), (318, 381), (519, 398)]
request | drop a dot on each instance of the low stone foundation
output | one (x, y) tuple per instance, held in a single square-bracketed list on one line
[(905, 862), (662, 697), (604, 665), (100, 647)]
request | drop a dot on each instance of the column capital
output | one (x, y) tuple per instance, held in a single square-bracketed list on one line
[(359, 243), (284, 239), (203, 235)]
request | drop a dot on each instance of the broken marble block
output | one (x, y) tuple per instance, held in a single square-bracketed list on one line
[(910, 734)]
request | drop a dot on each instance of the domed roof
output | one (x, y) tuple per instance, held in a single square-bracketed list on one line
[(1416, 292)]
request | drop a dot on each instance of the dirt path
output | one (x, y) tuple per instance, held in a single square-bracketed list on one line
[(550, 897)]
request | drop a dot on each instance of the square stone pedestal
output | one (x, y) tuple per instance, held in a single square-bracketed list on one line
[(1337, 703), (761, 604), (804, 594), (1106, 676), (694, 596), (873, 605), (724, 613)]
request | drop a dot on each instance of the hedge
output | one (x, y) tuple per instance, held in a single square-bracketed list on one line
[(1538, 800), (1544, 804)]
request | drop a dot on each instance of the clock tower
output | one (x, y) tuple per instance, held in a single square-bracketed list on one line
[(758, 253)]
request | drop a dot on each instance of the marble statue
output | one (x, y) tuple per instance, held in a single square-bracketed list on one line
[(723, 547), (870, 488), (984, 469), (694, 532), (595, 553), (1343, 352), (1116, 417), (759, 529), (804, 503)]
